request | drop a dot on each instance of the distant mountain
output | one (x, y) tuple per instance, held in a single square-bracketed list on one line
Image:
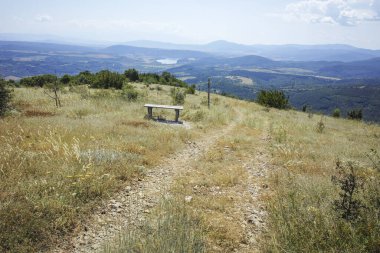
[(335, 69), (220, 47), (333, 52), (357, 69), (45, 56), (48, 38), (154, 52), (158, 44), (289, 52), (39, 47)]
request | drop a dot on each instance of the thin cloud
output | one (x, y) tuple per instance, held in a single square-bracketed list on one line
[(342, 12), (43, 18), (126, 25)]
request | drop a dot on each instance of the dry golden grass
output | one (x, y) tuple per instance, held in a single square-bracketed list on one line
[(218, 182), (301, 211), (301, 214), (58, 163)]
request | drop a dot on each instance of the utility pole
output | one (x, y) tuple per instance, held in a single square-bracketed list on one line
[(208, 92)]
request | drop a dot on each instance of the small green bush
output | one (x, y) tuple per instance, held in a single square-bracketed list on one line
[(336, 113), (5, 98), (315, 215), (65, 79), (225, 94), (356, 114), (129, 92), (273, 98), (132, 75), (178, 96), (348, 206), (191, 89)]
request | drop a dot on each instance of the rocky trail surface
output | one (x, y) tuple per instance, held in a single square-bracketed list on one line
[(128, 207), (254, 208)]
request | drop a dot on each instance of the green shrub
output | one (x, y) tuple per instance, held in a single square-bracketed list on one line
[(191, 89), (273, 98), (348, 205), (5, 98), (225, 94), (178, 96), (38, 81), (358, 205), (336, 113), (65, 79), (309, 214), (132, 75), (107, 79), (129, 92), (356, 114)]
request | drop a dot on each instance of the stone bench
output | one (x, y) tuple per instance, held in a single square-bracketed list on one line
[(173, 107)]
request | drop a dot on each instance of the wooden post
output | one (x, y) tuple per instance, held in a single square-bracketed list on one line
[(208, 93), (150, 113), (176, 115)]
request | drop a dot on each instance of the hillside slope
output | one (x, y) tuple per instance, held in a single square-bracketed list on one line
[(240, 177)]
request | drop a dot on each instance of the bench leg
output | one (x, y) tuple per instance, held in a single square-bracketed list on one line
[(176, 115), (150, 112)]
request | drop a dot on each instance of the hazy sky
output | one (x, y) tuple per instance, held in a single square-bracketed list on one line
[(355, 22)]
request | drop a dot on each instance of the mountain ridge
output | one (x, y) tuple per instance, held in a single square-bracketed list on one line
[(291, 51), (297, 52)]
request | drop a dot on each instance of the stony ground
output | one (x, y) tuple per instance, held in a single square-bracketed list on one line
[(254, 209), (130, 206)]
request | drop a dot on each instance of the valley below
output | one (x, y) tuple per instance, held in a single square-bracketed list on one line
[(190, 126), (322, 86)]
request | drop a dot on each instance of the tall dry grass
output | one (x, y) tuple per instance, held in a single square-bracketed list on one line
[(214, 190), (172, 228), (302, 210), (56, 164)]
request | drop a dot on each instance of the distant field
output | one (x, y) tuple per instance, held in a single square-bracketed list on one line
[(241, 79)]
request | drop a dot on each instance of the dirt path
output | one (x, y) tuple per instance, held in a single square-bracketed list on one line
[(254, 209), (129, 206)]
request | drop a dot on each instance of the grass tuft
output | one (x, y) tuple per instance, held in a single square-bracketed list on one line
[(172, 228)]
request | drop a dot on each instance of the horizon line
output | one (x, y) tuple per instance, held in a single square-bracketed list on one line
[(65, 40)]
